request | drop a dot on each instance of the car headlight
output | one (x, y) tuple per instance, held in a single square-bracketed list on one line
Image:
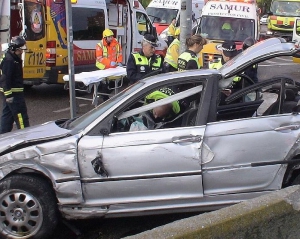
[(269, 33)]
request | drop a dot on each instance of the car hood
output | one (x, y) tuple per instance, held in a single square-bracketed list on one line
[(31, 135), (261, 51)]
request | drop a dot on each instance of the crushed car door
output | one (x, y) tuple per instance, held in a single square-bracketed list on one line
[(138, 169), (244, 150)]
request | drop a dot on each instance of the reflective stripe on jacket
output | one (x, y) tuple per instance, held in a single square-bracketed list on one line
[(217, 65), (138, 65), (105, 54), (184, 58), (173, 53), (141, 60), (11, 80)]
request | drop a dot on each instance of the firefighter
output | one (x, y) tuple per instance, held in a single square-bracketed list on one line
[(188, 59), (171, 58), (140, 64), (108, 51), (11, 85), (171, 31)]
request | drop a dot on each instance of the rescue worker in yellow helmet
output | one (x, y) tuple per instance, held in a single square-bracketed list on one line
[(108, 51), (171, 58), (140, 64), (226, 31), (171, 31), (189, 59), (164, 114)]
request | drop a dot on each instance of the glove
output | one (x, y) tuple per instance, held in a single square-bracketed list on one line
[(112, 63), (10, 100), (120, 64)]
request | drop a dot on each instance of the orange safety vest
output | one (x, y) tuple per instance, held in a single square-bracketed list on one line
[(105, 54)]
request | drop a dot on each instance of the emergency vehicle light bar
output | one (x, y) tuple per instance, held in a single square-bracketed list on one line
[(244, 1)]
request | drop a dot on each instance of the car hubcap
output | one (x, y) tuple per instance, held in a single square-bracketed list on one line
[(20, 214)]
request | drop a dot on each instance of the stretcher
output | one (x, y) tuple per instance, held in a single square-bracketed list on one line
[(93, 79)]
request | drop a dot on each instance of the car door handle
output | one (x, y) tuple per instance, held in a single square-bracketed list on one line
[(288, 127), (187, 139)]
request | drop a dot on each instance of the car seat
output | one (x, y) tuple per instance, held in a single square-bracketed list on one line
[(289, 102)]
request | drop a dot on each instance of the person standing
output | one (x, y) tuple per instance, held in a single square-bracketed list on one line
[(108, 51), (171, 58), (11, 85), (171, 31), (140, 64), (251, 71), (189, 59)]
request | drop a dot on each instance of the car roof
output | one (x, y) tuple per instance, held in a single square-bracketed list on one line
[(203, 73), (259, 52)]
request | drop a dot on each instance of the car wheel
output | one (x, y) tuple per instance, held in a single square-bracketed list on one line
[(27, 207)]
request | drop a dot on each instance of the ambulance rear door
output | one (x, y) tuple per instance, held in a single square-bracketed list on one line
[(34, 31), (142, 25), (4, 25)]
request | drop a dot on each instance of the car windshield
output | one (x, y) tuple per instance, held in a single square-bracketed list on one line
[(226, 28), (85, 120), (161, 15), (285, 8)]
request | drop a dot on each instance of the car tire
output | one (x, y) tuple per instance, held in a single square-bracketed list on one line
[(28, 207)]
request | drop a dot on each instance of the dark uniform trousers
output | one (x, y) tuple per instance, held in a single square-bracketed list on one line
[(14, 112)]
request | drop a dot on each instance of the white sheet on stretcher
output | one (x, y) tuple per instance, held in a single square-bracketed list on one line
[(96, 76)]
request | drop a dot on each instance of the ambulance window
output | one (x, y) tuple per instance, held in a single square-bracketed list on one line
[(88, 23), (34, 21), (143, 23)]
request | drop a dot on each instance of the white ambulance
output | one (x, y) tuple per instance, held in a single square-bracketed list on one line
[(227, 20), (43, 24), (161, 12)]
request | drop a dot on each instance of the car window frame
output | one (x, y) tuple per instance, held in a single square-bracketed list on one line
[(105, 125)]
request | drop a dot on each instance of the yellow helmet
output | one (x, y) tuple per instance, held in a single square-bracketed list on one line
[(177, 32), (107, 33), (226, 26)]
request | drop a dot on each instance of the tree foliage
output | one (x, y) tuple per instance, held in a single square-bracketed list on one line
[(264, 5), (145, 2)]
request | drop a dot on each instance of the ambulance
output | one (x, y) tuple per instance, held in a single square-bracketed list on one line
[(43, 24), (282, 17), (161, 12), (233, 20), (296, 38)]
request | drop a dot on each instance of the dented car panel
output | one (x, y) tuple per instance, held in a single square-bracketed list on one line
[(139, 160), (218, 153)]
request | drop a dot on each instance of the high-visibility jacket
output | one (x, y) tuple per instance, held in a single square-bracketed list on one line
[(217, 65), (11, 80), (173, 53), (171, 30), (138, 65), (188, 60), (106, 53)]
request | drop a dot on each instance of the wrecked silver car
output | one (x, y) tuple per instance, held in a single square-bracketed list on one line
[(119, 160)]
